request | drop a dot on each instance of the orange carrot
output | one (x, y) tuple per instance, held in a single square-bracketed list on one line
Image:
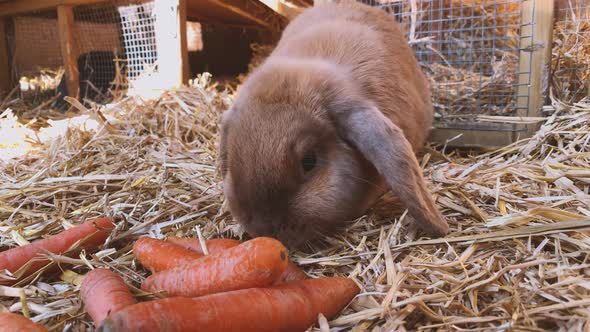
[(291, 307), (104, 292), (158, 255), (10, 322), (213, 246), (94, 232), (254, 263), (291, 274)]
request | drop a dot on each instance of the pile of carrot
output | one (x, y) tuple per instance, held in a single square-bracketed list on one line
[(218, 285), (24, 261), (10, 322), (229, 286)]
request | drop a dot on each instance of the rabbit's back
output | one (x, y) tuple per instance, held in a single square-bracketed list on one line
[(371, 46)]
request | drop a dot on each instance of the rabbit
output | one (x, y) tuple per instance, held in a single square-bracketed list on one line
[(328, 123)]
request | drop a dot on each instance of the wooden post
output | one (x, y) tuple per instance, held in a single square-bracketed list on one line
[(535, 57), (5, 75), (171, 43), (182, 15), (69, 50)]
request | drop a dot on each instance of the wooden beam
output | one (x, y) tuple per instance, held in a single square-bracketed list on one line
[(171, 44), (535, 57), (5, 75), (197, 17), (182, 17), (14, 7), (302, 3), (254, 11), (69, 51), (282, 9)]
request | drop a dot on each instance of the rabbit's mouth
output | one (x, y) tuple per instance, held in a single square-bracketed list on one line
[(292, 234)]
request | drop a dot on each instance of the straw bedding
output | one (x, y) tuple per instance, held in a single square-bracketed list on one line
[(571, 55), (517, 256)]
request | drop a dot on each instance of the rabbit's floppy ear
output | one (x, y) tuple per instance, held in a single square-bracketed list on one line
[(224, 124), (382, 143)]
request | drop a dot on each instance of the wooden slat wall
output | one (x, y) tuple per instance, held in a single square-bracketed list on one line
[(5, 77)]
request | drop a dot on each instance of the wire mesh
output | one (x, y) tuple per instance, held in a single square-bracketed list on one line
[(116, 43), (571, 53), (470, 51), (35, 44), (98, 41), (139, 38), (35, 55)]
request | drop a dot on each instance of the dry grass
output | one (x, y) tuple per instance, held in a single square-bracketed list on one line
[(517, 256), (571, 54)]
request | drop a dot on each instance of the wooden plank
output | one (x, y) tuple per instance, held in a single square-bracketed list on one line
[(5, 75), (197, 15), (247, 11), (171, 45), (14, 7), (240, 11), (535, 57), (471, 138), (69, 52)]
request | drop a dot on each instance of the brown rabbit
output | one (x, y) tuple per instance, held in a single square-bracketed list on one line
[(326, 125)]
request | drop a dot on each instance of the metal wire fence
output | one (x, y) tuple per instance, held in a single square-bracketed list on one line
[(98, 40), (571, 53), (115, 44), (139, 37), (470, 51)]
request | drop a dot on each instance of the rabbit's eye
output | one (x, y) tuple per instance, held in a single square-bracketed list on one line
[(308, 162)]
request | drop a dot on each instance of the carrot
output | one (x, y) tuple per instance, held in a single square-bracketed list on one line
[(10, 322), (94, 232), (292, 273), (104, 292), (158, 255), (291, 307), (254, 263), (213, 246)]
